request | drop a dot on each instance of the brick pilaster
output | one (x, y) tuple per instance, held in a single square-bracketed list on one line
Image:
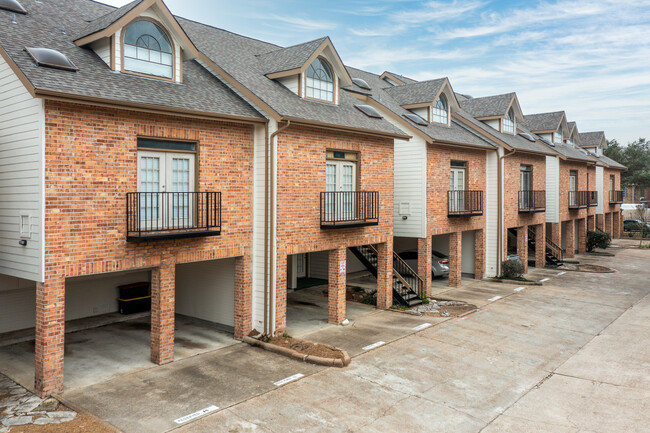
[(522, 246), (556, 234), (608, 223), (616, 217), (163, 288), (540, 245), (385, 274), (582, 232), (570, 239), (50, 336), (424, 263), (455, 259), (479, 254), (336, 286), (600, 222), (281, 293), (591, 223), (243, 296)]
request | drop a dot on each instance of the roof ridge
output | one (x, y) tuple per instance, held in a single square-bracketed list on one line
[(293, 46)]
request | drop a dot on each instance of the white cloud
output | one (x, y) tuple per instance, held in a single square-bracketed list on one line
[(437, 10), (303, 23)]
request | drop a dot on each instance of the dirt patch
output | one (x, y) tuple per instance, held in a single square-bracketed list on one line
[(451, 311), (81, 424), (307, 347), (361, 295), (597, 269), (440, 308)]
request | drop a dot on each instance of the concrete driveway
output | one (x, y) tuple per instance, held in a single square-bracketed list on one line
[(569, 356)]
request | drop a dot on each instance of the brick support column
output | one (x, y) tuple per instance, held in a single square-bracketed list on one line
[(540, 245), (336, 286), (455, 259), (50, 336), (522, 246), (616, 217), (424, 263), (608, 223), (570, 239), (582, 232), (591, 223), (600, 222), (163, 303), (385, 275), (556, 234), (479, 254), (280, 293), (243, 296)]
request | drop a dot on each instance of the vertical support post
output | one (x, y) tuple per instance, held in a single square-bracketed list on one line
[(540, 246), (50, 336), (570, 238), (163, 303), (616, 216), (281, 293), (455, 259), (336, 286), (479, 254), (385, 274), (424, 263), (522, 246), (243, 296), (582, 235)]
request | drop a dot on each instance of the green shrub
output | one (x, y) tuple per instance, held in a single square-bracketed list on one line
[(512, 269), (598, 239)]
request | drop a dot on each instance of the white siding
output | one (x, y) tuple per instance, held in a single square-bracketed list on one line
[(494, 123), (552, 189), (491, 214), (21, 146), (259, 193), (117, 40), (600, 188), (467, 252), (17, 303), (290, 83), (102, 48), (423, 112)]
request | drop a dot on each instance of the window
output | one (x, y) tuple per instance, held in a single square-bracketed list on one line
[(457, 185), (570, 142), (557, 137), (320, 81), (573, 186), (440, 112), (509, 122), (525, 186), (148, 50), (612, 182)]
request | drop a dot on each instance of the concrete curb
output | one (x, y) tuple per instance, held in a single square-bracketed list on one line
[(290, 353), (515, 282)]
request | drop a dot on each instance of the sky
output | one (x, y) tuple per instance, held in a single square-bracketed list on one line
[(590, 58)]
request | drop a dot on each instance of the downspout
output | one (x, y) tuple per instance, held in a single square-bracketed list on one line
[(501, 216), (269, 200)]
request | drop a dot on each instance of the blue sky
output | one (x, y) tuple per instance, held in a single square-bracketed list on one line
[(590, 58)]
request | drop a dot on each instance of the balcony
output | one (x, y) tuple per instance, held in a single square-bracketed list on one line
[(578, 199), (153, 216), (615, 197), (464, 203), (532, 201), (592, 198), (343, 209)]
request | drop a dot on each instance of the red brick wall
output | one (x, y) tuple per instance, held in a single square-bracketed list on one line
[(512, 186), (565, 168), (607, 172)]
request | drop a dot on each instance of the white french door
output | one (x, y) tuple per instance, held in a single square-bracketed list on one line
[(165, 180), (341, 177), (526, 185), (457, 185), (573, 184)]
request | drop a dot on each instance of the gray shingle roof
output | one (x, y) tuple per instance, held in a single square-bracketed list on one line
[(488, 106), (453, 134), (200, 91), (404, 79), (543, 121), (286, 59), (416, 93), (574, 153), (592, 138), (609, 161), (103, 22)]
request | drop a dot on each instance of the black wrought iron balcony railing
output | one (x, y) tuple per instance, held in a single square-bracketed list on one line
[(464, 203), (592, 198), (578, 199), (154, 216), (615, 197), (341, 209), (532, 201)]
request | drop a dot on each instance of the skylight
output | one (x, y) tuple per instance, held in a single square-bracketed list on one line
[(360, 82), (369, 111), (416, 119), (547, 141), (51, 59), (527, 136), (13, 6)]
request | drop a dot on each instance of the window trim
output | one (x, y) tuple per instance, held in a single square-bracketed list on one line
[(173, 79), (352, 156), (335, 82), (433, 108), (510, 115), (561, 140)]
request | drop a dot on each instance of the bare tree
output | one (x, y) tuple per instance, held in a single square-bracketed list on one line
[(641, 213)]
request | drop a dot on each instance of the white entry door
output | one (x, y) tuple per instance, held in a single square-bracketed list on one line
[(573, 184), (164, 181), (341, 177), (457, 185)]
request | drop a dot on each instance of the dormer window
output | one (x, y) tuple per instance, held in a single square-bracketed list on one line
[(508, 124), (320, 81), (148, 50), (570, 142), (441, 110), (557, 137)]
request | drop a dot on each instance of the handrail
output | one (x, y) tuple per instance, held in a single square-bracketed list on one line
[(464, 203), (555, 249), (532, 201), (340, 209), (418, 280)]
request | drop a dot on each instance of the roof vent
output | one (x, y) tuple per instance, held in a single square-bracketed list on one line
[(51, 59), (416, 119), (527, 136), (369, 111), (360, 82), (549, 142), (13, 6)]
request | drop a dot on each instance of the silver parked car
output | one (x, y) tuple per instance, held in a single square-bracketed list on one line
[(439, 262)]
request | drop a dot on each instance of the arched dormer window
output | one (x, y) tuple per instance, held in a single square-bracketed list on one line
[(509, 122), (320, 81), (441, 110), (148, 50)]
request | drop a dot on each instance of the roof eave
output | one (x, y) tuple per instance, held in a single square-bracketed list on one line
[(331, 126)]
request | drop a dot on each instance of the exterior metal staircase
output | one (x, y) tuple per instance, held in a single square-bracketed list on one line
[(554, 254), (408, 287)]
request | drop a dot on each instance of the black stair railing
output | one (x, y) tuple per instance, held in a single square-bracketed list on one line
[(401, 268), (341, 209), (532, 201), (555, 250)]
